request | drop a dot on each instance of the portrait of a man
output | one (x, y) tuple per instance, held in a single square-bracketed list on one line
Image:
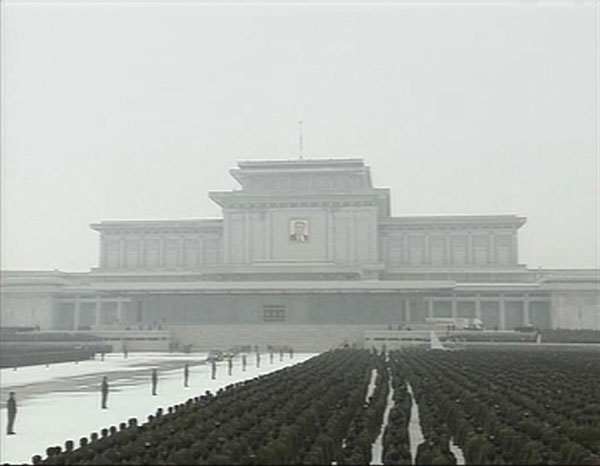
[(299, 231)]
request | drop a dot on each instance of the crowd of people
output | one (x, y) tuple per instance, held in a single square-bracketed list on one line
[(500, 406), (505, 406), (300, 414)]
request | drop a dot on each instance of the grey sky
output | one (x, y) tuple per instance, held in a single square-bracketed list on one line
[(136, 111)]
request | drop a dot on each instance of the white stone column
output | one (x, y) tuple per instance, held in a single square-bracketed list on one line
[(330, 255), (122, 263), (448, 251), (429, 307), (353, 239), (247, 236), (103, 252), (492, 257), (427, 258), (181, 255), (478, 307), (76, 313), (225, 241), (120, 311), (502, 323), (141, 252), (526, 311), (514, 248), (161, 251), (98, 310), (470, 254), (200, 250), (407, 315), (453, 307), (268, 235)]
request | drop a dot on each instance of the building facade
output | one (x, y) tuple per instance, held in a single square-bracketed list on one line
[(308, 248)]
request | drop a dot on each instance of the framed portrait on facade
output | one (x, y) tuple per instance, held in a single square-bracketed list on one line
[(299, 230)]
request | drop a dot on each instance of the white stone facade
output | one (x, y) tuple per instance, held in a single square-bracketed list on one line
[(304, 243)]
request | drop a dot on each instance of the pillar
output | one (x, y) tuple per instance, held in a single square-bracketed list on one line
[(122, 257), (352, 238), (526, 312), (120, 311), (478, 307), (98, 310), (201, 250), (76, 314), (470, 258), (407, 316), (430, 308), (247, 237), (502, 319), (161, 252), (329, 234), (514, 253), (492, 255), (453, 307), (181, 252)]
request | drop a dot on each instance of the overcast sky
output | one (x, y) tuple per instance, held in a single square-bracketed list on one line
[(135, 111)]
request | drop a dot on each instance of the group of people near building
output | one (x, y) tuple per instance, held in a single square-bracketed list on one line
[(105, 385), (300, 414)]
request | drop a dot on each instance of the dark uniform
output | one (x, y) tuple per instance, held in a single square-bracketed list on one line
[(186, 375), (11, 407), (229, 365), (154, 381), (213, 369), (104, 392), (244, 362)]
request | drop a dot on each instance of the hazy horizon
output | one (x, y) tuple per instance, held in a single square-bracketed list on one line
[(136, 111)]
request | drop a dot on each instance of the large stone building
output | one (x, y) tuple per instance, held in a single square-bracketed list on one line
[(306, 249)]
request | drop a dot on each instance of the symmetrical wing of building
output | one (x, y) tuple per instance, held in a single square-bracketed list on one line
[(304, 246)]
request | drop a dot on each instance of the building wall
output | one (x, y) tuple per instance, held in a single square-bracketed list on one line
[(443, 246), (27, 310), (139, 248), (337, 235), (576, 309), (302, 338)]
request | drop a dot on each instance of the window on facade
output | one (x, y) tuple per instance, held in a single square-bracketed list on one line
[(273, 313)]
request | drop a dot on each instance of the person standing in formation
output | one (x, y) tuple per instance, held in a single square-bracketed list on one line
[(186, 374), (154, 381), (281, 354), (229, 364), (213, 368), (244, 362), (257, 359), (11, 408), (291, 353), (104, 390)]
